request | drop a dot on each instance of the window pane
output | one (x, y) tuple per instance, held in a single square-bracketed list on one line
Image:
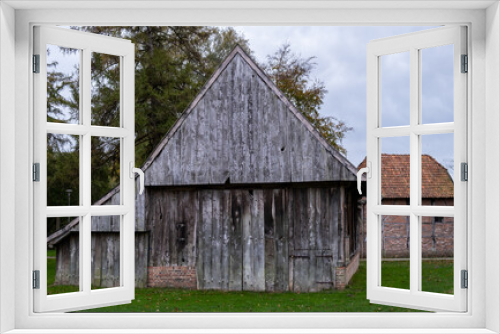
[(395, 170), (63, 170), (437, 169), (63, 84), (395, 246), (437, 254), (105, 169), (63, 269), (105, 252), (395, 89), (437, 84), (105, 89)]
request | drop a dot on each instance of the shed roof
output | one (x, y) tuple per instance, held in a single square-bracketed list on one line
[(436, 181)]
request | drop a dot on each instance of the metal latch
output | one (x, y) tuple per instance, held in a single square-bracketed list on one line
[(36, 279), (36, 63), (465, 64), (36, 172), (464, 171), (465, 279)]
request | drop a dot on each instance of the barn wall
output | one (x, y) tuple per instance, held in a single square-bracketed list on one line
[(105, 259), (241, 132), (270, 239)]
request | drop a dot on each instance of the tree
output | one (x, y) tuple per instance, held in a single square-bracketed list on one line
[(292, 75)]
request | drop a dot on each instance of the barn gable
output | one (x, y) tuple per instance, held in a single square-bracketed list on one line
[(240, 129)]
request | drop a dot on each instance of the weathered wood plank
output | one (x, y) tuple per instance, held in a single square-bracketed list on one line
[(235, 241), (141, 258), (281, 221), (312, 245), (258, 229), (224, 218), (216, 241), (207, 251), (201, 232), (74, 260), (270, 248), (97, 261), (246, 218)]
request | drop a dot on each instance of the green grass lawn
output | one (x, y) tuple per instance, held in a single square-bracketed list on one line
[(438, 277)]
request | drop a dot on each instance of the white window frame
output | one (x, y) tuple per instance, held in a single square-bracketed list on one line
[(87, 43), (483, 20), (414, 43)]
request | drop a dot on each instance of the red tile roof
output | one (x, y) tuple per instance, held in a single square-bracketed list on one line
[(436, 181)]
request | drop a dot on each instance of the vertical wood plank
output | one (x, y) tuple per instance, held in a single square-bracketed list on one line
[(269, 235), (200, 241), (224, 218), (216, 241), (246, 220), (258, 226), (236, 241)]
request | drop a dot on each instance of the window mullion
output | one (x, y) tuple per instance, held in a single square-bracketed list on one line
[(415, 267), (85, 228)]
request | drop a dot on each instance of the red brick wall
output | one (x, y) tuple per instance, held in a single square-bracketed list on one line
[(437, 232), (172, 277), (344, 274)]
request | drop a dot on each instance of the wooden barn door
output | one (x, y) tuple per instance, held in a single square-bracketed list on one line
[(313, 251), (242, 240)]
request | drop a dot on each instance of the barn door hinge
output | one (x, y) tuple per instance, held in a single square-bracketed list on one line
[(465, 64), (465, 279), (36, 279), (464, 171), (36, 172), (36, 63)]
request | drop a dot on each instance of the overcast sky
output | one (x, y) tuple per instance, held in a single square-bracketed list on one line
[(341, 64)]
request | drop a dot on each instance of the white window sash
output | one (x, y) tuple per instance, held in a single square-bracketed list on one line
[(414, 297), (86, 297)]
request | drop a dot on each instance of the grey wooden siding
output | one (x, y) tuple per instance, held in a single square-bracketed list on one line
[(241, 132), (105, 259), (272, 239)]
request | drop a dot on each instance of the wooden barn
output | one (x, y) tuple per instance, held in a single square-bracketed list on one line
[(241, 194), (437, 189)]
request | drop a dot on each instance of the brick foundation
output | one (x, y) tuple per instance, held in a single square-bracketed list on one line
[(344, 274), (172, 277)]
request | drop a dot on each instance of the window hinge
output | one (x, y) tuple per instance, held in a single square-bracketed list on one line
[(36, 279), (465, 279), (36, 63), (464, 171), (465, 64), (36, 172)]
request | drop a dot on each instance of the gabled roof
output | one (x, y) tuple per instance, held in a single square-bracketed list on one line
[(436, 181), (240, 100)]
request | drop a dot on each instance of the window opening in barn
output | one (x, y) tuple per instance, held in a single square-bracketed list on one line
[(245, 201)]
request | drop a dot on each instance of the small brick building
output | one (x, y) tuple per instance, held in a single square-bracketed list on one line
[(437, 189)]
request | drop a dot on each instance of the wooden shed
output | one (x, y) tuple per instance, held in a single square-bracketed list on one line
[(241, 194)]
